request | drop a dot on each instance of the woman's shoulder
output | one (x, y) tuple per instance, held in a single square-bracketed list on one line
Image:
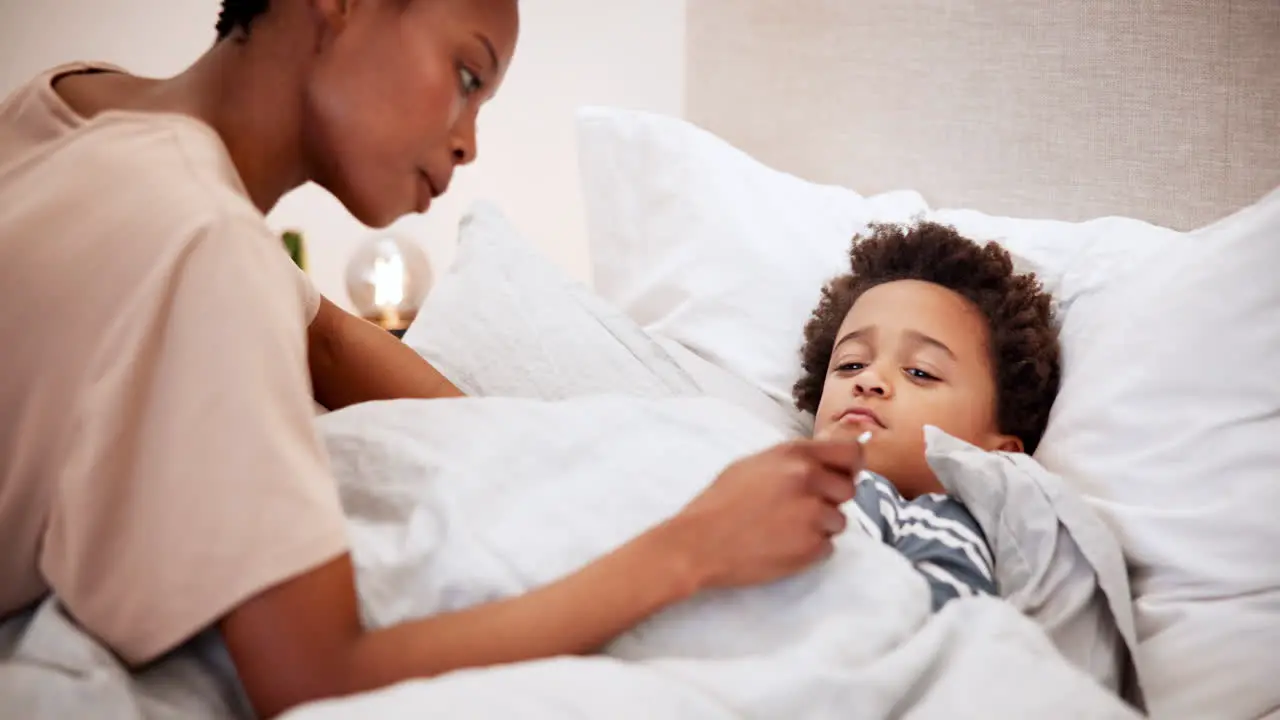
[(154, 181), (164, 160), (146, 200)]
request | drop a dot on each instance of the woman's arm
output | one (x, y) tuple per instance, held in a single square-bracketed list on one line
[(354, 361), (765, 517), (284, 654)]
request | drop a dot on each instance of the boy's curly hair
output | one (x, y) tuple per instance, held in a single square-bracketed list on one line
[(1024, 341)]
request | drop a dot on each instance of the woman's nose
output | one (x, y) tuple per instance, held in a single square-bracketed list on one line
[(463, 143)]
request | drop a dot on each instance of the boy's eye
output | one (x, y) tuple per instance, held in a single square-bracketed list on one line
[(469, 81), (919, 374), (850, 367)]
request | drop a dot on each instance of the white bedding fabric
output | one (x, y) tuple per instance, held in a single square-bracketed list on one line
[(506, 321), (459, 502), (976, 659), (1056, 561), (454, 503), (1167, 423)]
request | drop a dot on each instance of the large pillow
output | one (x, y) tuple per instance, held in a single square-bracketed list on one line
[(1071, 259), (505, 321), (1169, 422), (700, 243), (703, 245)]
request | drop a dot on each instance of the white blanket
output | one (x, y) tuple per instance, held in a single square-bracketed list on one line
[(458, 502), (454, 503)]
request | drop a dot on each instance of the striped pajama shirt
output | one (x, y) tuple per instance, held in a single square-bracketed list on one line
[(936, 533)]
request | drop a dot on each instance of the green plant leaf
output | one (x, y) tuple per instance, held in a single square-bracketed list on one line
[(296, 246)]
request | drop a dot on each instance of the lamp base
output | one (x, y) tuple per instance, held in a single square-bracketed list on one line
[(392, 321)]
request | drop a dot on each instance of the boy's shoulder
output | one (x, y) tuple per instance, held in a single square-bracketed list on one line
[(884, 512)]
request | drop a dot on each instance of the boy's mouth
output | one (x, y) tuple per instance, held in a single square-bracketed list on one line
[(859, 416)]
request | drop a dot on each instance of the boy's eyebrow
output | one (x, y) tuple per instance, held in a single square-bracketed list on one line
[(923, 339), (858, 334), (914, 335)]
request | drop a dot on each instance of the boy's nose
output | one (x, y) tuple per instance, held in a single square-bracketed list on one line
[(870, 382)]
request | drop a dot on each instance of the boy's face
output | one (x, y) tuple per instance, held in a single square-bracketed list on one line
[(910, 354)]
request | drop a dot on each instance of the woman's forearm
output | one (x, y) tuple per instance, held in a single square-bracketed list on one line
[(354, 361), (301, 640), (577, 615)]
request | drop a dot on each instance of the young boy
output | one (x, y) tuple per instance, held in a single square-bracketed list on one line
[(929, 328)]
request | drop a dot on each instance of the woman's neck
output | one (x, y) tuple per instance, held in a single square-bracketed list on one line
[(247, 92), (252, 99)]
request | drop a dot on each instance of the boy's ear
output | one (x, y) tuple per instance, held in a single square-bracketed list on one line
[(1004, 443)]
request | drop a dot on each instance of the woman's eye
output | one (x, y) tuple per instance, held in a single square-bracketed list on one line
[(919, 374), (469, 81)]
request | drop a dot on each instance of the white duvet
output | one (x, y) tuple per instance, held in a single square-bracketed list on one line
[(454, 503)]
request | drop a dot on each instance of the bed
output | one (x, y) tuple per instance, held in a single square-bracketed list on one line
[(1119, 150)]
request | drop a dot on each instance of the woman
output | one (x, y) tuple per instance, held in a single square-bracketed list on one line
[(161, 474)]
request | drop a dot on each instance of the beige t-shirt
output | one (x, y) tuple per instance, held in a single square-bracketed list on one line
[(158, 461)]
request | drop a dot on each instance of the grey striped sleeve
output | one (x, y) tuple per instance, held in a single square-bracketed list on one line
[(935, 532)]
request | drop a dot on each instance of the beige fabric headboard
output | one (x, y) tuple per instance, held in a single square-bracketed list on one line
[(1164, 110)]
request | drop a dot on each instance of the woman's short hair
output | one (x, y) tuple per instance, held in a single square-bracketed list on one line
[(238, 15)]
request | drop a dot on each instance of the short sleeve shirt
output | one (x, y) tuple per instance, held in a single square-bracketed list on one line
[(158, 460)]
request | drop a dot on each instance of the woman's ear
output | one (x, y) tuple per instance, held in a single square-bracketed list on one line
[(331, 18), (1004, 443)]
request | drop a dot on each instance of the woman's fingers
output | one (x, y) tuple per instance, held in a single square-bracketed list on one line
[(842, 455), (833, 487), (828, 520)]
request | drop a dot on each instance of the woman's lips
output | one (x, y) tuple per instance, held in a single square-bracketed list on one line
[(426, 191)]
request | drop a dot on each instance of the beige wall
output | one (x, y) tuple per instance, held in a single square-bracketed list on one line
[(1166, 110), (572, 52)]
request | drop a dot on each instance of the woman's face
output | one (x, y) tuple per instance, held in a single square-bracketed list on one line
[(392, 97)]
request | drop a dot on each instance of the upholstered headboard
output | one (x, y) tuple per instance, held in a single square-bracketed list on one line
[(1165, 110)]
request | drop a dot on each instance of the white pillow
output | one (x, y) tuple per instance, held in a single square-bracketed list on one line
[(703, 245), (1169, 422), (1055, 560), (1071, 259), (504, 320)]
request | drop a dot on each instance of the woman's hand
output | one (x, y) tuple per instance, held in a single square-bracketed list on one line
[(769, 515)]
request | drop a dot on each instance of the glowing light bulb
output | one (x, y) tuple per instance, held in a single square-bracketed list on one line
[(387, 279)]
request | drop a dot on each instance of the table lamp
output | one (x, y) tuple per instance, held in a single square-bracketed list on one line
[(387, 279)]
